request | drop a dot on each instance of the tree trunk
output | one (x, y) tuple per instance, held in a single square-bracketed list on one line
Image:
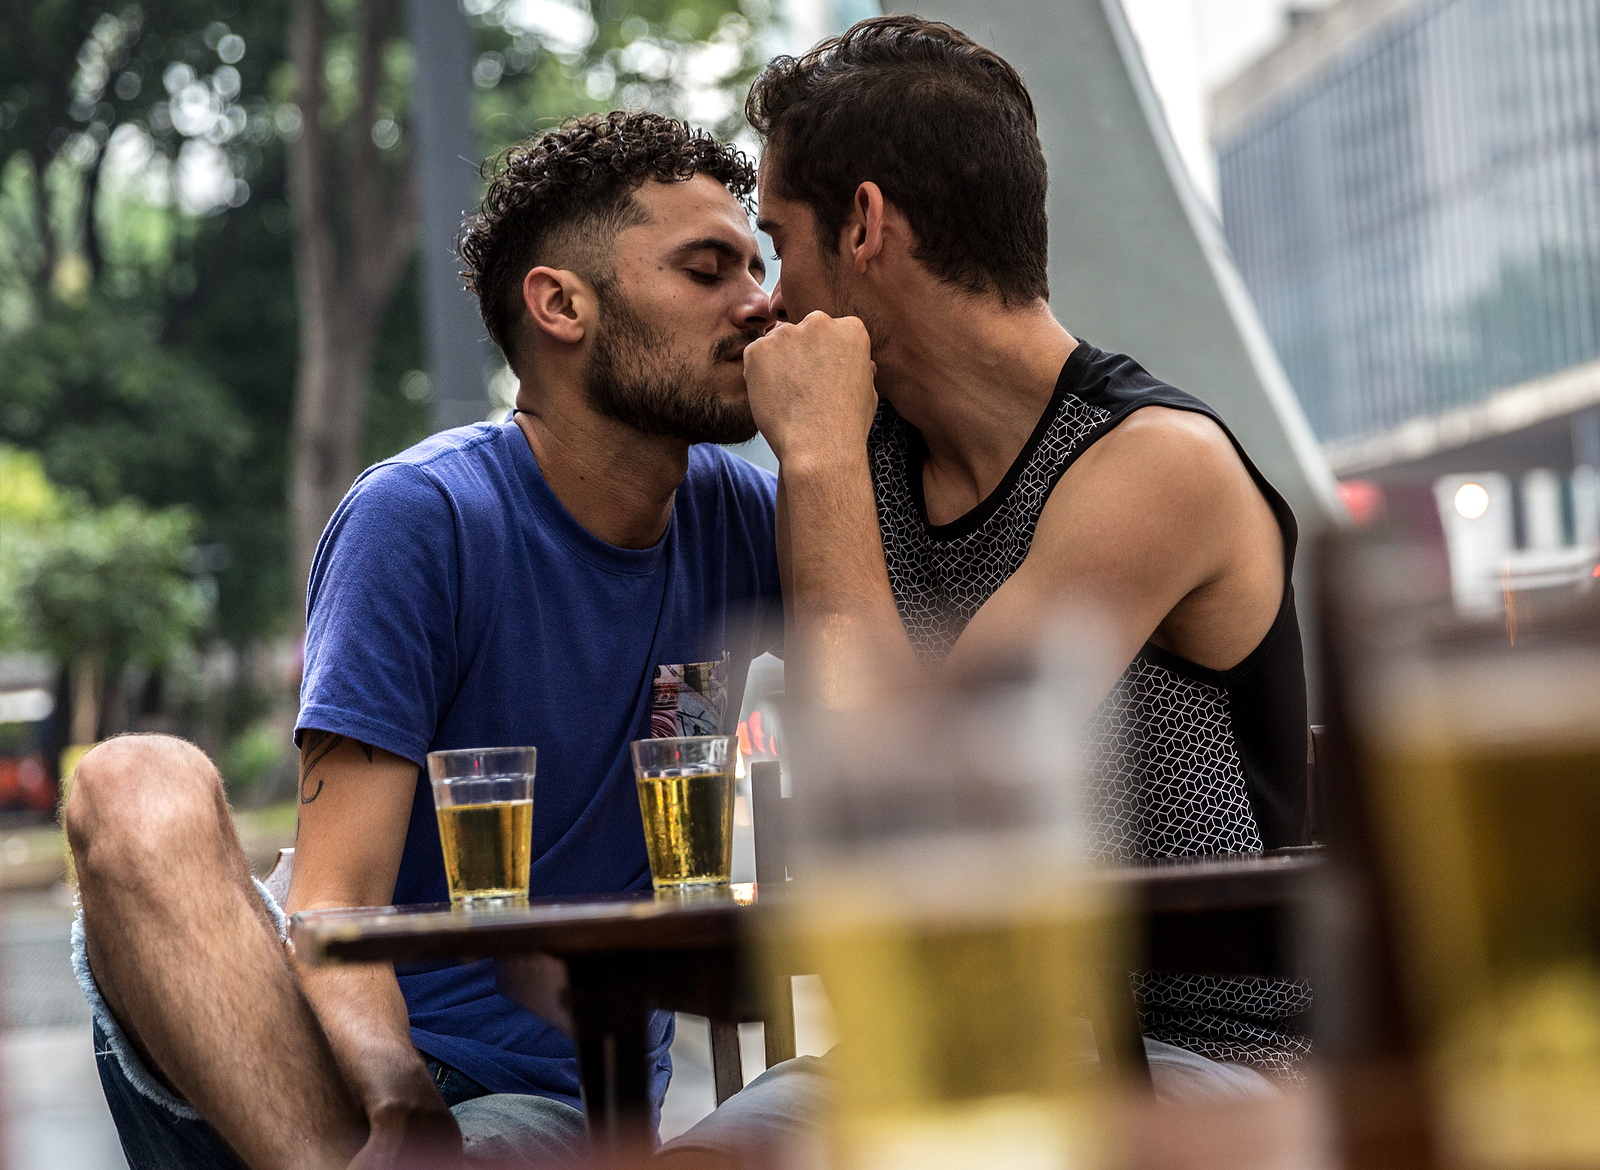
[(93, 253), (41, 211), (329, 420), (340, 298), (88, 676), (113, 713)]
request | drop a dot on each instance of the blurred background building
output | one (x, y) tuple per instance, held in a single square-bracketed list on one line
[(1409, 190)]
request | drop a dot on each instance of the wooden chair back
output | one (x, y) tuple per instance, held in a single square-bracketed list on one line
[(772, 864)]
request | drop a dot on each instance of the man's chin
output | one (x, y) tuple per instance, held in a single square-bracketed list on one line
[(729, 431), (744, 436), (733, 422), (724, 432)]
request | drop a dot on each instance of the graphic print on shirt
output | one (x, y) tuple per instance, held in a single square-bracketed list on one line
[(689, 699)]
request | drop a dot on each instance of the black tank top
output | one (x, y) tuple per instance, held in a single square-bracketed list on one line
[(1185, 760)]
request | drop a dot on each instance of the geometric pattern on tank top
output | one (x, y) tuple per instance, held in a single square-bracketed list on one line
[(1202, 1014), (1166, 780), (1165, 777), (940, 585)]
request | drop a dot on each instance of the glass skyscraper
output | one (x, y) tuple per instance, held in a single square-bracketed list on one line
[(1418, 213)]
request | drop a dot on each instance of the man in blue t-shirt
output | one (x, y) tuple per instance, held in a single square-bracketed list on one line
[(518, 583)]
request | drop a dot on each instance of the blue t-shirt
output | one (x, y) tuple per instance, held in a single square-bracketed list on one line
[(455, 602)]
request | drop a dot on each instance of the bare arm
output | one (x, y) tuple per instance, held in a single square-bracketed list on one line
[(355, 805), (1157, 531), (843, 625), (1160, 534)]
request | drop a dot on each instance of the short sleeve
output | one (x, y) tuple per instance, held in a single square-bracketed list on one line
[(380, 660)]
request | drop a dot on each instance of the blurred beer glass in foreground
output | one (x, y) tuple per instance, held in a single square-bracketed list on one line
[(1481, 744), (938, 892), (483, 798)]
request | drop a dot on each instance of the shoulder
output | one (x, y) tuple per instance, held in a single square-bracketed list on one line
[(443, 473), (1168, 449), (1164, 486)]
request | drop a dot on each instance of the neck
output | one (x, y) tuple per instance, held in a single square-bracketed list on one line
[(973, 377), (619, 484)]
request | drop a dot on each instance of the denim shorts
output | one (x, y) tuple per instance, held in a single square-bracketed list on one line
[(159, 1131)]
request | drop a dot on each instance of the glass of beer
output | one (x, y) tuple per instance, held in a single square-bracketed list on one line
[(1486, 775), (686, 800), (938, 854), (1475, 745), (484, 801)]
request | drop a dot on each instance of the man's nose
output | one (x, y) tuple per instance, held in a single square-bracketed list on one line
[(756, 313), (778, 311)]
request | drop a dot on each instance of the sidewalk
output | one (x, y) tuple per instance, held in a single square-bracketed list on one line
[(55, 1116)]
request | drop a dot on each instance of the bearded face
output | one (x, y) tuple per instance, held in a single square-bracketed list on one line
[(636, 377)]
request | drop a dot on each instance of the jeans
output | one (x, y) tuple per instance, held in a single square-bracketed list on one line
[(508, 1128)]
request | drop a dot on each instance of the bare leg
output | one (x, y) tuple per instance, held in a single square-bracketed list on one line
[(188, 959)]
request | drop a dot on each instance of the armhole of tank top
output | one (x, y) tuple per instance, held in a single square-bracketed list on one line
[(1282, 515), (1289, 534)]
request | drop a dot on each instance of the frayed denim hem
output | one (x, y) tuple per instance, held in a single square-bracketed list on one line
[(116, 1041)]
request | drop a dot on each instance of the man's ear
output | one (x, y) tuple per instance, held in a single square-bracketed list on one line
[(864, 229), (561, 303)]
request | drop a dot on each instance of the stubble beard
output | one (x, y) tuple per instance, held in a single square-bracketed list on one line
[(633, 379)]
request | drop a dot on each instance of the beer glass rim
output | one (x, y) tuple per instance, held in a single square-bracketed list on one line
[(641, 749), (436, 760), (666, 739)]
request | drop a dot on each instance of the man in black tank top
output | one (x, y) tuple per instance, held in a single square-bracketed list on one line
[(956, 465)]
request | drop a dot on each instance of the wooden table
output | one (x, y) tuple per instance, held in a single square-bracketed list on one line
[(627, 954), (1222, 916)]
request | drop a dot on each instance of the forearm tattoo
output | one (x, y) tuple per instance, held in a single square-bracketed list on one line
[(317, 746)]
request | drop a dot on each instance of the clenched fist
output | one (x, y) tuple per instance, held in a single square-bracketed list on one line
[(811, 386)]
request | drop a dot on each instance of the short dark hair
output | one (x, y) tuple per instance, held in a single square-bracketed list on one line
[(561, 198), (944, 126)]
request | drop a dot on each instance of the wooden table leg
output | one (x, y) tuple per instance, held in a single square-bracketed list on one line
[(779, 1021), (1116, 1030), (611, 1022), (727, 1069)]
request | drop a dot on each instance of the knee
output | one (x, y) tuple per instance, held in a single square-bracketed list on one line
[(136, 795)]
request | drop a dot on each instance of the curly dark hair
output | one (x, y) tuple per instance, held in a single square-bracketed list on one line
[(944, 126), (561, 199)]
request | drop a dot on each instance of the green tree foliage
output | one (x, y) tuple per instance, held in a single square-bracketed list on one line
[(28, 501), (113, 413), (148, 343), (112, 585), (539, 62), (187, 310), (176, 77)]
